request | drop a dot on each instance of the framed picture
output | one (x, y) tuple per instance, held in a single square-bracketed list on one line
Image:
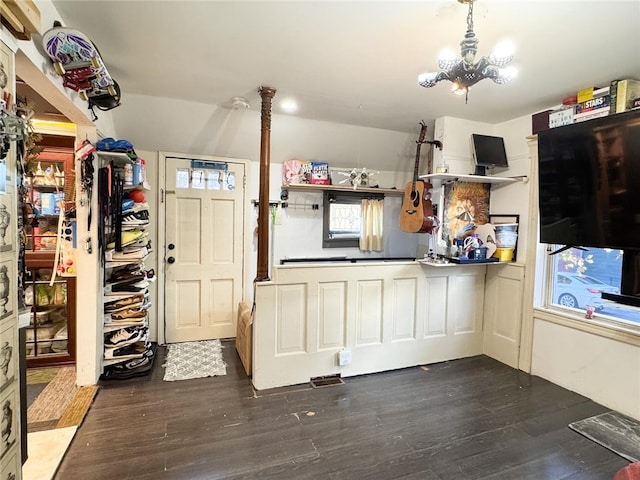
[(513, 220)]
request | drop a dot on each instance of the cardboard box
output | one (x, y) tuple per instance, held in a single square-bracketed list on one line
[(540, 121), (244, 336)]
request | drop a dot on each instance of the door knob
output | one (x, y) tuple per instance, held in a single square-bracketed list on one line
[(171, 260), (171, 246)]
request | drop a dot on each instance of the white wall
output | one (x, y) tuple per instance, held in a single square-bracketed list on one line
[(188, 127), (599, 368)]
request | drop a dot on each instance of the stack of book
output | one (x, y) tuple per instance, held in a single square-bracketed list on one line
[(625, 95), (620, 96), (595, 107)]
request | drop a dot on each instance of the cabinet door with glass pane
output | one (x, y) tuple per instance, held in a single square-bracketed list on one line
[(50, 336)]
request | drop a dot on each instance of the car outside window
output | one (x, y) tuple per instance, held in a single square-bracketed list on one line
[(580, 277)]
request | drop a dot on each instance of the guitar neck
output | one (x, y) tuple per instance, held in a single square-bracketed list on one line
[(415, 168), (423, 132)]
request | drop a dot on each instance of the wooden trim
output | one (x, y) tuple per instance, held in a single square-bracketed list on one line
[(601, 328), (12, 20), (27, 13)]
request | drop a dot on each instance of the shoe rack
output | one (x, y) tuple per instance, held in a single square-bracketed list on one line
[(125, 247)]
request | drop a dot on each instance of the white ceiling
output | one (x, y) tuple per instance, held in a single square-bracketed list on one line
[(356, 62)]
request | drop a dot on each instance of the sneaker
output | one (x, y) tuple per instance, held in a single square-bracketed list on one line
[(124, 336), (135, 218), (128, 313), (123, 303), (137, 348), (136, 207), (126, 276), (140, 286), (129, 236)]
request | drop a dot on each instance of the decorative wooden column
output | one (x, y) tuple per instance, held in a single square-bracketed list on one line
[(266, 93)]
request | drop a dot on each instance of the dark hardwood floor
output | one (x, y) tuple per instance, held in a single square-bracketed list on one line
[(467, 419)]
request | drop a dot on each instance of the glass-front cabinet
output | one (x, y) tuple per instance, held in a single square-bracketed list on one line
[(50, 183), (50, 336)]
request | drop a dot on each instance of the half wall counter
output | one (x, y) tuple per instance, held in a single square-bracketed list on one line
[(386, 314)]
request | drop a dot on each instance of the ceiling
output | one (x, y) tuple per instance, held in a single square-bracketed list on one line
[(356, 62)]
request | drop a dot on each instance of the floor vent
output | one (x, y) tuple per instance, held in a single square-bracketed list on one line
[(327, 381)]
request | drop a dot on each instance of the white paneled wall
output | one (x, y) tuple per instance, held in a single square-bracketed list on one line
[(389, 314)]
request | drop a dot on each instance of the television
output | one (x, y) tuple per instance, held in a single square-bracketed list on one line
[(488, 153), (589, 188)]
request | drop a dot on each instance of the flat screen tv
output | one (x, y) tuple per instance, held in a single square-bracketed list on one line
[(589, 191), (589, 183), (488, 153)]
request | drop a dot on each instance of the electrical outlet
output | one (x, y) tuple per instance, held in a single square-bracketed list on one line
[(344, 357)]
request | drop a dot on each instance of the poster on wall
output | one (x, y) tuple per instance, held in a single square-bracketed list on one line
[(9, 405), (466, 205), (7, 223), (7, 355), (7, 285)]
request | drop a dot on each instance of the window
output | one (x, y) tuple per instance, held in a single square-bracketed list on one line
[(579, 277), (342, 218)]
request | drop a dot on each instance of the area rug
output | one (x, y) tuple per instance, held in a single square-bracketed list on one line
[(60, 403), (614, 431), (189, 360)]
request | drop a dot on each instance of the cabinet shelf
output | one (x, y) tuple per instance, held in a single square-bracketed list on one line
[(306, 187), (119, 159)]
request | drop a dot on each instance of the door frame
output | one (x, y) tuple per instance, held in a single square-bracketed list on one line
[(160, 255)]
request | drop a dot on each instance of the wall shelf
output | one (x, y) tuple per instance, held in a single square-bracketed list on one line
[(438, 179), (305, 187)]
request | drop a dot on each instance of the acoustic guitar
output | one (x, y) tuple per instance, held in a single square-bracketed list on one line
[(416, 215)]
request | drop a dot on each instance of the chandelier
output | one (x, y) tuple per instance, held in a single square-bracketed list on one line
[(465, 71)]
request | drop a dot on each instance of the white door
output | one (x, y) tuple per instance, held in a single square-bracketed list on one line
[(203, 254)]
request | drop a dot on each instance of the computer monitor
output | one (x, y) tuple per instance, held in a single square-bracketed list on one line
[(488, 152)]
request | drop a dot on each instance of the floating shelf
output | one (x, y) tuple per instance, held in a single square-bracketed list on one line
[(438, 179), (306, 187), (453, 264)]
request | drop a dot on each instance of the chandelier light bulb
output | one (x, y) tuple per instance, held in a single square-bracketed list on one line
[(504, 49), (470, 68)]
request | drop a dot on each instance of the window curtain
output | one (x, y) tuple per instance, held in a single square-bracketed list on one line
[(372, 225)]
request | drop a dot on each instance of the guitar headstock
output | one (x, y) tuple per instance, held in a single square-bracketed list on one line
[(423, 132)]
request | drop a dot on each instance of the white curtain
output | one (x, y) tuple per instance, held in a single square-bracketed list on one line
[(372, 225)]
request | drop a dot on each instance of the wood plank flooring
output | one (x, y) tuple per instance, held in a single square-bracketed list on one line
[(467, 419)]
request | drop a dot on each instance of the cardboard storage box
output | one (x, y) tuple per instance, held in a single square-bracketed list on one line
[(244, 336)]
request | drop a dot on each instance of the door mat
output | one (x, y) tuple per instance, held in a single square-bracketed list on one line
[(189, 360), (60, 403), (614, 431)]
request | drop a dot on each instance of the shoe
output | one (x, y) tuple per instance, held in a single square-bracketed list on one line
[(135, 218), (127, 204), (123, 303), (130, 236), (127, 276), (137, 254), (124, 336), (137, 348), (136, 207), (140, 286), (151, 275), (131, 368)]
